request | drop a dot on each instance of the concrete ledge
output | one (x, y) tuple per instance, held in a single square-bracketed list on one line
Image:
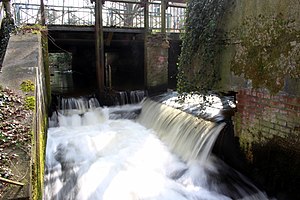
[(20, 61), (24, 61)]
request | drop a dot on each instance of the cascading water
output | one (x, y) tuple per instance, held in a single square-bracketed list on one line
[(130, 97), (189, 137), (96, 154)]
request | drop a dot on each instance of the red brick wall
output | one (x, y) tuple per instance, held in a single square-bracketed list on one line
[(156, 69), (268, 128), (277, 115)]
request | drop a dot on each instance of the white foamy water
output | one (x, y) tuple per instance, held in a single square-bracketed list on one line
[(92, 157)]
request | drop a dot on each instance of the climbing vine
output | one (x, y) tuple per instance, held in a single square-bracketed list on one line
[(267, 51), (197, 70), (7, 26)]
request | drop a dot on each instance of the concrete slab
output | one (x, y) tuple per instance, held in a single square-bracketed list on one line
[(20, 61)]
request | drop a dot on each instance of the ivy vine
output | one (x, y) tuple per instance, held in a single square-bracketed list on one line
[(267, 51), (7, 26), (197, 70)]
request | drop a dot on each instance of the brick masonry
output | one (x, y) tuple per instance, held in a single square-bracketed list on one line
[(156, 56), (271, 116), (268, 128)]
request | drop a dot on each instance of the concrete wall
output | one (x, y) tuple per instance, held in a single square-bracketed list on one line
[(40, 123), (237, 12), (24, 61), (267, 125)]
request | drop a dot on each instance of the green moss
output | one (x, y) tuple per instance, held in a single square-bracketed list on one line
[(38, 164), (27, 86), (246, 148), (40, 134), (267, 51), (33, 175), (35, 29), (30, 102), (46, 66)]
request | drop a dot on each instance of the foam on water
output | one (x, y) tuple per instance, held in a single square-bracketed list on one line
[(90, 156)]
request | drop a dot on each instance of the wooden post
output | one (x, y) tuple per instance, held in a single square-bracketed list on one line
[(99, 46), (43, 19), (145, 4), (146, 15), (63, 13), (163, 15)]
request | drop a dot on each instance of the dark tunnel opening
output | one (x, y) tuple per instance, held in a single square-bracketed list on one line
[(72, 62)]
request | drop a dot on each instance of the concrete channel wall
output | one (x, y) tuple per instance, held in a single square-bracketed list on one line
[(24, 61), (267, 125)]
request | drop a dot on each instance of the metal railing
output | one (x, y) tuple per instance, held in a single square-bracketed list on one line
[(121, 14), (114, 14), (58, 15), (175, 17)]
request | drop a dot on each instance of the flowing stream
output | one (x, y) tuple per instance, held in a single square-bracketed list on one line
[(146, 151)]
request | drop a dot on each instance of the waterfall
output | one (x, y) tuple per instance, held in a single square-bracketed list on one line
[(159, 154), (187, 136), (130, 97)]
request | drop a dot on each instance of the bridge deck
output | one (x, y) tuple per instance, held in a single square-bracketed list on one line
[(91, 28)]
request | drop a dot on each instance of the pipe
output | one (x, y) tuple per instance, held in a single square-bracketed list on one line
[(11, 182)]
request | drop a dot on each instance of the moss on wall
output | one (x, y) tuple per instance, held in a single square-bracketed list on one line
[(42, 96), (267, 51), (46, 65), (275, 24)]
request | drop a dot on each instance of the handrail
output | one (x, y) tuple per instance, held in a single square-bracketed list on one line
[(115, 14)]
